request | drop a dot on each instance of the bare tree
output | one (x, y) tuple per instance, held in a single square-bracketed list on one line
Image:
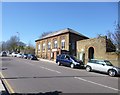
[(115, 37), (44, 34), (13, 44)]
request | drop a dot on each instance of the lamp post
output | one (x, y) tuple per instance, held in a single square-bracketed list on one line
[(18, 41)]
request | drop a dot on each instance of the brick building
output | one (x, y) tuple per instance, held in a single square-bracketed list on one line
[(97, 48), (62, 41)]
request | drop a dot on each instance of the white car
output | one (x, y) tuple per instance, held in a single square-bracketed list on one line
[(14, 54), (102, 66), (19, 55)]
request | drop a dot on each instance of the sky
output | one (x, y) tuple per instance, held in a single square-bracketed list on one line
[(29, 20)]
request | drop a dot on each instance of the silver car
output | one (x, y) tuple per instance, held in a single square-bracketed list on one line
[(102, 66)]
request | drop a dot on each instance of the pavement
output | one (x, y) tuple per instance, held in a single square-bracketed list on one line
[(2, 88), (46, 60)]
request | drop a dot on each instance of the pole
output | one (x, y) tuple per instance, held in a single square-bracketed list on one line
[(18, 41)]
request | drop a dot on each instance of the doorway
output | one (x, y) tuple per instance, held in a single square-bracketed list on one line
[(91, 53)]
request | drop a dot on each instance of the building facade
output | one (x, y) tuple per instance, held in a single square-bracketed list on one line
[(97, 48), (63, 41)]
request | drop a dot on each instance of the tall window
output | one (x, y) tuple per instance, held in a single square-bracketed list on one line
[(49, 45), (63, 43), (55, 44), (43, 46), (39, 47)]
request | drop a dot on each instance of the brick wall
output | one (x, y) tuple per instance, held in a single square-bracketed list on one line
[(99, 46)]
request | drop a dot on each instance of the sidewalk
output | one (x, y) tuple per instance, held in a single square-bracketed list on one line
[(2, 89), (46, 60)]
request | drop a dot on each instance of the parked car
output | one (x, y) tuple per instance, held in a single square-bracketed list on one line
[(102, 66), (3, 53), (14, 54), (19, 55), (68, 60), (31, 57), (24, 56)]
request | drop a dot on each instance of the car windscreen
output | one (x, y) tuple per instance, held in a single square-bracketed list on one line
[(108, 63)]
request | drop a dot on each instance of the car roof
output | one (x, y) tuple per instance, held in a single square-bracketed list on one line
[(99, 59)]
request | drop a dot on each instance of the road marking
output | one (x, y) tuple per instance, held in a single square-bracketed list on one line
[(6, 82), (50, 69), (96, 83)]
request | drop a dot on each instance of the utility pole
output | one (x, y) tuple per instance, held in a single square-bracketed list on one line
[(18, 41)]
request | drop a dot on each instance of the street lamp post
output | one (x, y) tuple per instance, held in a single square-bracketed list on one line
[(18, 41)]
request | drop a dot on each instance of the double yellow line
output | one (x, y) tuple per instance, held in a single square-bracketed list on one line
[(10, 89)]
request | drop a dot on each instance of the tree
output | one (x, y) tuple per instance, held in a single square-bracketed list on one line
[(29, 49), (44, 34), (3, 46), (115, 37), (13, 43)]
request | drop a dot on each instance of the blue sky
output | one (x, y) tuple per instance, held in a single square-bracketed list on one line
[(31, 19)]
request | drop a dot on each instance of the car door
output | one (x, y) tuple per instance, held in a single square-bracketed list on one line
[(67, 60), (62, 59), (100, 66)]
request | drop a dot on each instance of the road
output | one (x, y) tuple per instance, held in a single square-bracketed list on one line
[(29, 76)]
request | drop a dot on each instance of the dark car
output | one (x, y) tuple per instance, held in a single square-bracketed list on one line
[(31, 57), (69, 60), (24, 56)]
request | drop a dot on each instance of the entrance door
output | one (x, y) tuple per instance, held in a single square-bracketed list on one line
[(91, 53)]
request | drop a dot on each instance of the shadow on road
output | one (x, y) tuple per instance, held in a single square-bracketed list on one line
[(46, 93), (48, 77)]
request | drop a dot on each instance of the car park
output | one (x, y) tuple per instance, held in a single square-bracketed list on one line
[(69, 60), (31, 57), (104, 66)]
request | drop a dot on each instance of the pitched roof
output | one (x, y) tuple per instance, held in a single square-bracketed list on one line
[(61, 32)]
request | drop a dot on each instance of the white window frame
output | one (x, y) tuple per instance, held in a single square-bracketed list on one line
[(63, 43), (39, 47), (49, 45), (55, 44), (43, 46)]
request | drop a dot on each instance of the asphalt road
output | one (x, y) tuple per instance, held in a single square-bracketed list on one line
[(28, 76)]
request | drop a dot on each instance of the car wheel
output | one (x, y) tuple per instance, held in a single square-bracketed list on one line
[(72, 65), (58, 63), (30, 58), (88, 68), (112, 73)]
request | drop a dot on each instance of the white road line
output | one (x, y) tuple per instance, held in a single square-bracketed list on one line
[(96, 83), (50, 69), (42, 67)]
